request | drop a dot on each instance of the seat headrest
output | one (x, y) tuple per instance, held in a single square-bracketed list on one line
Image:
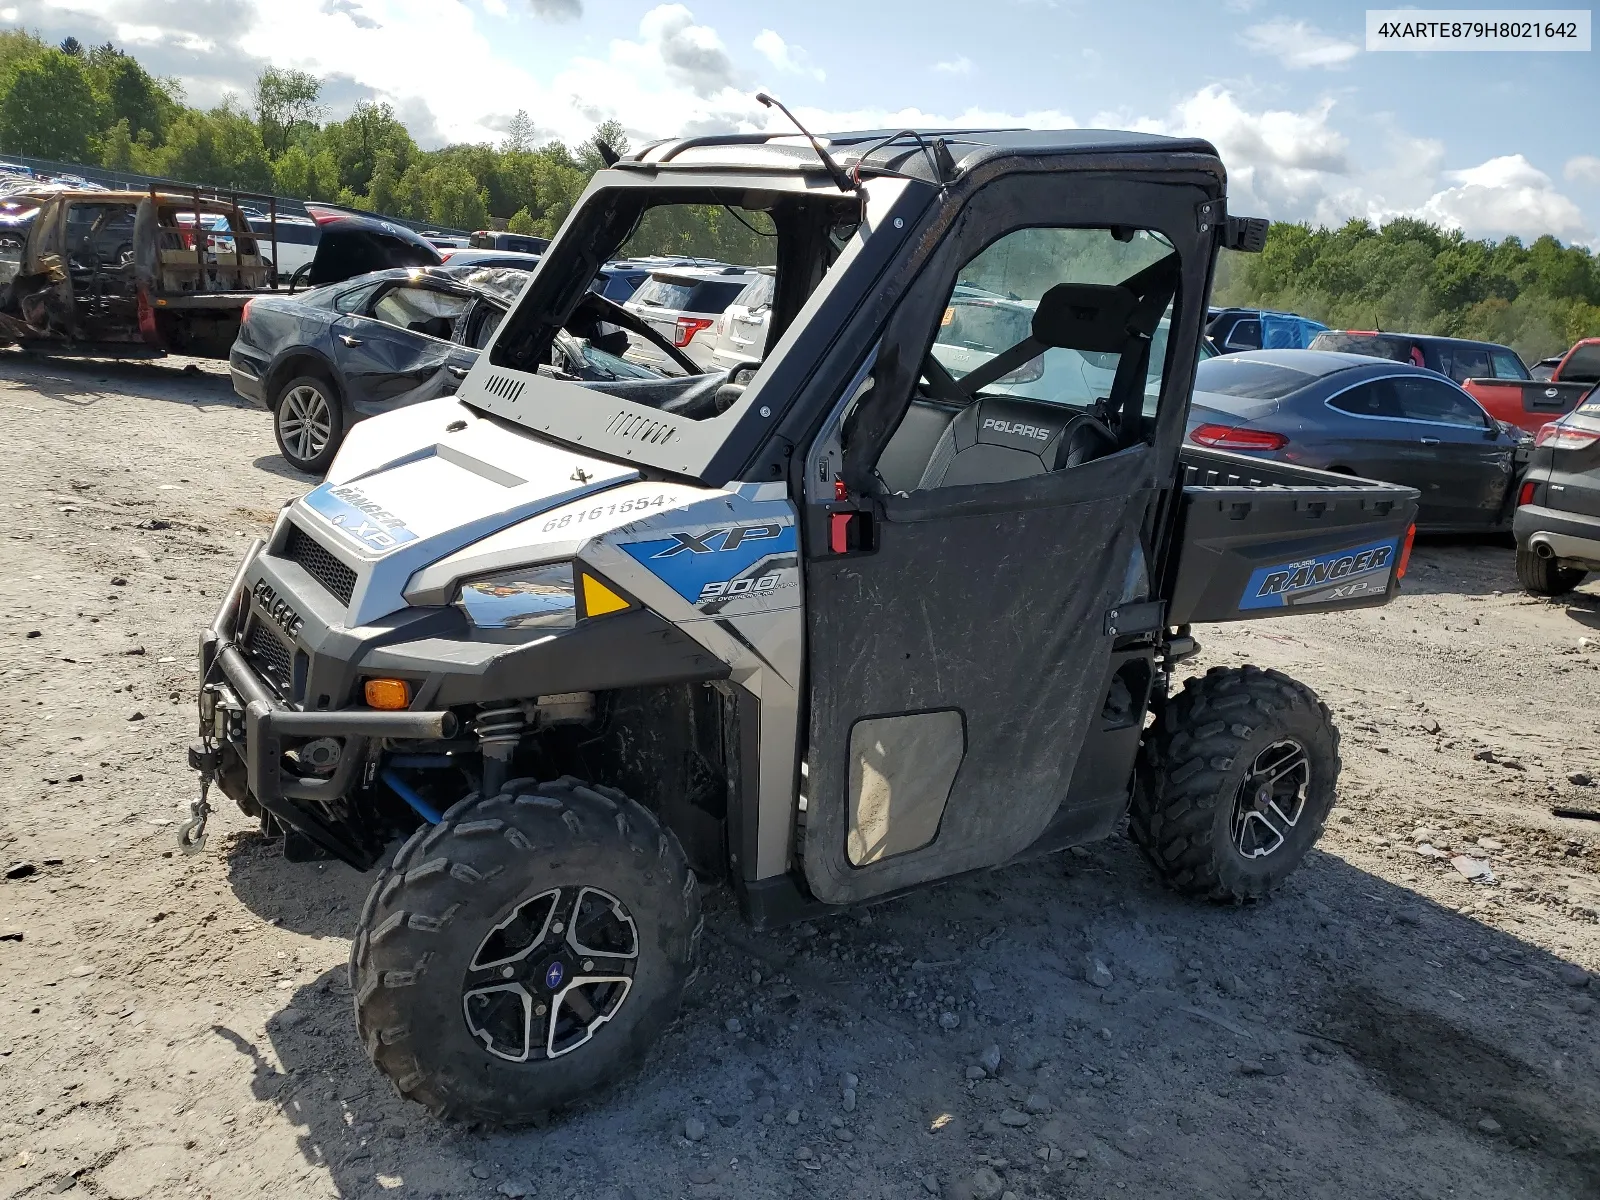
[(1093, 317)]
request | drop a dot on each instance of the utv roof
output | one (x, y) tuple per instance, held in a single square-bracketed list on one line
[(899, 151)]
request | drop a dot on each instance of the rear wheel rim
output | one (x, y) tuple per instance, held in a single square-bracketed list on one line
[(1271, 799), (550, 975), (305, 421)]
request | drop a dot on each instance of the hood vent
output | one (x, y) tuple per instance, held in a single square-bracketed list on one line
[(504, 387), (641, 428)]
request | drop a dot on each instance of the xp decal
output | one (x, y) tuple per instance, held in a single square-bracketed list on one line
[(1342, 575), (365, 522), (717, 563)]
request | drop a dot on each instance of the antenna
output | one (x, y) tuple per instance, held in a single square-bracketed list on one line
[(834, 169)]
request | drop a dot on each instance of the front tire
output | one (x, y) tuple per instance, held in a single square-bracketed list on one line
[(524, 951), (1543, 576), (1235, 783), (308, 423)]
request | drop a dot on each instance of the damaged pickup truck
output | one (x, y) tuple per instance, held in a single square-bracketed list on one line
[(141, 274), (128, 274)]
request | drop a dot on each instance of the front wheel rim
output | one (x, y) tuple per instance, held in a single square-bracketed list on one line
[(549, 976), (1271, 799), (305, 422)]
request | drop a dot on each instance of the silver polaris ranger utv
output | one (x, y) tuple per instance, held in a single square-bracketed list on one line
[(899, 602)]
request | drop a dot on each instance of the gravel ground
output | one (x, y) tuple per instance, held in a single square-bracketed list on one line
[(175, 1026)]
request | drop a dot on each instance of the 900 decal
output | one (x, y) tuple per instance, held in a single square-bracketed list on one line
[(728, 588)]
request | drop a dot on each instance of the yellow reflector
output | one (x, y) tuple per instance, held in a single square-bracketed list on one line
[(598, 599), (949, 316), (388, 693)]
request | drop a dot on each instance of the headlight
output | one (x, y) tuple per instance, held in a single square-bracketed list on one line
[(541, 597)]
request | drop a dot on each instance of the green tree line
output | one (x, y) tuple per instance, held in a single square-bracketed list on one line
[(98, 105), (1414, 277)]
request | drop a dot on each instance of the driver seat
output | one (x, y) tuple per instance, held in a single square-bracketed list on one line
[(995, 439)]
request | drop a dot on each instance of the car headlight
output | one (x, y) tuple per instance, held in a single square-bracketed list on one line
[(541, 597)]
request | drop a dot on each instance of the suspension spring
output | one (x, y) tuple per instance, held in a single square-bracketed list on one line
[(499, 728)]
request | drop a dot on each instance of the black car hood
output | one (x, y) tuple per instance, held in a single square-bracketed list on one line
[(352, 245)]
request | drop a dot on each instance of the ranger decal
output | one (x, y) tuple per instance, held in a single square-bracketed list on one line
[(365, 522), (1342, 575)]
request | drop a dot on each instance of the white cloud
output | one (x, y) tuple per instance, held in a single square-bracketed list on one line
[(790, 59), (1299, 44), (1505, 195), (693, 54), (496, 8), (1298, 166), (956, 66), (557, 10), (1583, 169), (673, 75)]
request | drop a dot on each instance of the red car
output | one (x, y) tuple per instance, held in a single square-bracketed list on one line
[(1534, 403)]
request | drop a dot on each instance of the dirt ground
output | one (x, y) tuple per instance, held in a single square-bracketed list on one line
[(1383, 1027)]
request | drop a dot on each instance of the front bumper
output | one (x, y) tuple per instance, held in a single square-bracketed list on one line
[(1572, 537), (255, 725)]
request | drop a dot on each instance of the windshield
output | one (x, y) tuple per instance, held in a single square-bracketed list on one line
[(1582, 365), (1371, 344), (684, 414), (689, 295), (1229, 375)]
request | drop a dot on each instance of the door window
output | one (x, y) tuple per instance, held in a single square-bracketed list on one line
[(1375, 399), (1026, 362), (1245, 335), (1430, 400), (1507, 365), (1468, 362), (421, 310), (355, 299)]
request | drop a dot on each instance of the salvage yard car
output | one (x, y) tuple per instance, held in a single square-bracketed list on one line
[(582, 642), (1557, 522), (1380, 420), (131, 274), (321, 360)]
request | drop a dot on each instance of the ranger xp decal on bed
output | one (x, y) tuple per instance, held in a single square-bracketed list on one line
[(1342, 575)]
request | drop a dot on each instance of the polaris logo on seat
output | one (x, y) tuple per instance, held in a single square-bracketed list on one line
[(1017, 429)]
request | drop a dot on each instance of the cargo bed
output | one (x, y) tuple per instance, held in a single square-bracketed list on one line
[(1257, 537)]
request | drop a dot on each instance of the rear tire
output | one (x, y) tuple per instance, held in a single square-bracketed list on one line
[(308, 423), (1543, 576), (495, 913), (1235, 783)]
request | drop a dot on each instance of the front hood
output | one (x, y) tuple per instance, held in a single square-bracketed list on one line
[(418, 484)]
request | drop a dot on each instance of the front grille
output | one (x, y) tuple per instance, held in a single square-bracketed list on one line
[(271, 657), (322, 566)]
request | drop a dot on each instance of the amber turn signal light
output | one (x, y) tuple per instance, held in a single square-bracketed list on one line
[(388, 694)]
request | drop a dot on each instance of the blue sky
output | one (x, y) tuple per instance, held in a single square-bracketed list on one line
[(1311, 125)]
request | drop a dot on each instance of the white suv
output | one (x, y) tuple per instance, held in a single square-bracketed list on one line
[(682, 303), (741, 330)]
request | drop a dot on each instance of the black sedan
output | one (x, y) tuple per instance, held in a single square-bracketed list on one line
[(323, 359), (1380, 420)]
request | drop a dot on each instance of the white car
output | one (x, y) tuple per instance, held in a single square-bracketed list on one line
[(682, 303), (741, 330), (297, 241)]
